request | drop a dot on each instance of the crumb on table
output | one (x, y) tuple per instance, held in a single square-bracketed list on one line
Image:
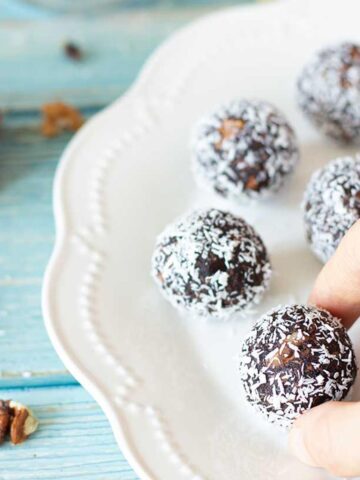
[(57, 117)]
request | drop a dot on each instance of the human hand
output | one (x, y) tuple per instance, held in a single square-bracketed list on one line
[(328, 436)]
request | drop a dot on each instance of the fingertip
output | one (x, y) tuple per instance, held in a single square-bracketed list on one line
[(298, 440), (297, 446), (303, 436), (337, 286), (312, 298), (327, 436)]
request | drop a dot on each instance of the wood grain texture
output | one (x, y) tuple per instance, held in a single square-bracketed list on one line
[(34, 68), (39, 9), (115, 48), (27, 166), (74, 440)]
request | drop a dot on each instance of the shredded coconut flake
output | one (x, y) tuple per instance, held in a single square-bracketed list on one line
[(331, 204), (244, 150), (295, 384), (329, 91), (211, 263)]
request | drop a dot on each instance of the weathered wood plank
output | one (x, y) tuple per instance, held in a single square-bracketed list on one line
[(40, 9), (74, 440), (34, 68), (27, 165), (17, 9)]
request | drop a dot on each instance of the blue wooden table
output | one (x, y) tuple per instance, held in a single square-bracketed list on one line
[(74, 439)]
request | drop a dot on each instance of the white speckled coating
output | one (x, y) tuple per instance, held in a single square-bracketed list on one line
[(329, 91), (250, 162), (295, 358), (331, 204), (211, 263)]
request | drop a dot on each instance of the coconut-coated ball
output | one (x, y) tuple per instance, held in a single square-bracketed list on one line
[(331, 204), (295, 358), (244, 150), (211, 263), (329, 91)]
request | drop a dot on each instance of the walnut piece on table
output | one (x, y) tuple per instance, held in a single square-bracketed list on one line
[(16, 420), (57, 117)]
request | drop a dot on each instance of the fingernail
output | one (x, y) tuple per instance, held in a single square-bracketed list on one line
[(298, 448)]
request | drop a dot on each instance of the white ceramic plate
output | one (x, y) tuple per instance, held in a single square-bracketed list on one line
[(169, 385)]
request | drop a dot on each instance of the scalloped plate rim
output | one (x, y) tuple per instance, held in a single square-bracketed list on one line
[(69, 358)]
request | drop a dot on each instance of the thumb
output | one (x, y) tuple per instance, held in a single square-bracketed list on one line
[(338, 285), (328, 436)]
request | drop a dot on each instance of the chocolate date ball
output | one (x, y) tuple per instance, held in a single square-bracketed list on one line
[(244, 150), (331, 204), (329, 91), (211, 263), (295, 358)]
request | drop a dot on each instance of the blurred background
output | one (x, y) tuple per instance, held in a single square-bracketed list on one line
[(61, 61)]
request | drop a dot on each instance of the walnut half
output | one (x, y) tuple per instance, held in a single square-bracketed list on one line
[(17, 420)]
